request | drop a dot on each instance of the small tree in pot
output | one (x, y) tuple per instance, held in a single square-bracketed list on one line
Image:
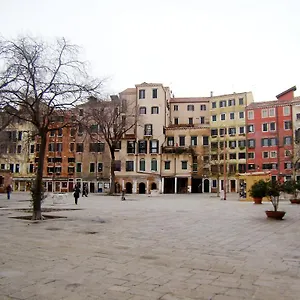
[(292, 187), (258, 191), (273, 191)]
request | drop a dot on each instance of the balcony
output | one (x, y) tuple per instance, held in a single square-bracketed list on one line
[(178, 150)]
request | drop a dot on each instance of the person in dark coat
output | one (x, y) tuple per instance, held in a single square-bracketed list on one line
[(85, 190), (8, 191), (76, 193)]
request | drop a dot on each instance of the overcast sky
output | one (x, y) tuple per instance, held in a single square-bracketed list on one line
[(193, 46)]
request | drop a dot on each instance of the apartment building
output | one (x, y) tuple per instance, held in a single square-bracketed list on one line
[(185, 159), (228, 139), (139, 161), (270, 135)]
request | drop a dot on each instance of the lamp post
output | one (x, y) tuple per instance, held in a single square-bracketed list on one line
[(225, 168)]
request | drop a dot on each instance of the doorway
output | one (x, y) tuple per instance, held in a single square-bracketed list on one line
[(128, 187), (206, 186), (153, 186), (169, 185), (142, 188), (92, 187), (196, 185), (182, 185), (232, 186)]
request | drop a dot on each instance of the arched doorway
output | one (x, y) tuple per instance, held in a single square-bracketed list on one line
[(128, 187), (142, 188), (206, 186), (153, 186)]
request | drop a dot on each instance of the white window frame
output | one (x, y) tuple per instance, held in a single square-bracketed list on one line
[(286, 110), (253, 154), (262, 127), (223, 114), (273, 154), (287, 153), (212, 118), (250, 114), (263, 154), (230, 114), (264, 113), (272, 112), (271, 128)]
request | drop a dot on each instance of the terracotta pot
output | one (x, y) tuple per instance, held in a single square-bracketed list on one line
[(257, 200), (278, 215), (295, 201)]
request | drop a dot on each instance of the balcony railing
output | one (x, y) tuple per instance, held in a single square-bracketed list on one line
[(178, 150)]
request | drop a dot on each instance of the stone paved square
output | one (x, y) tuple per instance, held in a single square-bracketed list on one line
[(169, 247)]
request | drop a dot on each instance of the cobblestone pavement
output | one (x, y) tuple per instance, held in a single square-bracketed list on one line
[(169, 247)]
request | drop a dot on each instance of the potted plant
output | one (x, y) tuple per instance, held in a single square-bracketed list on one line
[(273, 190), (292, 187), (258, 191)]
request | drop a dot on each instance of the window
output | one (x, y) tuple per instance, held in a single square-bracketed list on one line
[(265, 127), (153, 164), (148, 129), (273, 154), (100, 167), (154, 93), (19, 149), (242, 130), (194, 140), (202, 107), (287, 153), (31, 170), (251, 143), (205, 140), (272, 126), (223, 117), (214, 118), (242, 155), (231, 102), (202, 120), (265, 154), (273, 142), (59, 147), (286, 110), (288, 165), (272, 112), (265, 142), (287, 125), (298, 116), (78, 167), (175, 107), (142, 147), (143, 110), (241, 115), (232, 144), (71, 159), (80, 129), (231, 116), (118, 165), (60, 132), (51, 147), (264, 113), (232, 155), (251, 155), (130, 147), (184, 165), (92, 167), (251, 166), (214, 132), (190, 107), (214, 105), (222, 103), (142, 94), (72, 147), (79, 147), (17, 168), (129, 166), (167, 165), (232, 131), (142, 165), (154, 146), (191, 121), (72, 131), (250, 128), (250, 114), (287, 140), (170, 141), (241, 101), (154, 110), (214, 183), (2, 166), (176, 121), (182, 140)]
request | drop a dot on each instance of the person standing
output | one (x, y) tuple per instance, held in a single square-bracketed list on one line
[(8, 191), (76, 193), (85, 190)]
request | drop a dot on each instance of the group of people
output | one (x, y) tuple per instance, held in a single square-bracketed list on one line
[(77, 192)]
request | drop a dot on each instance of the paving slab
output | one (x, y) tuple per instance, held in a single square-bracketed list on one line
[(167, 247)]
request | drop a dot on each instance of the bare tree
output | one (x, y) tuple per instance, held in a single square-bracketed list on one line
[(39, 81), (114, 118)]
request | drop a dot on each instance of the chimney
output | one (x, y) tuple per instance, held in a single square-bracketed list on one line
[(211, 93)]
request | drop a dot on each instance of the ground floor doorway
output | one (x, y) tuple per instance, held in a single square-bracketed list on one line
[(182, 185), (169, 185), (142, 188), (206, 186), (196, 185), (128, 188), (232, 186)]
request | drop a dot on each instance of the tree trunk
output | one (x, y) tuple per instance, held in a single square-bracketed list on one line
[(38, 189), (218, 184), (112, 173)]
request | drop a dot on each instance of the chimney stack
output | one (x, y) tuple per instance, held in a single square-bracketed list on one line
[(211, 93)]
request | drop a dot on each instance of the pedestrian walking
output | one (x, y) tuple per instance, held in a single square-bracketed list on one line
[(76, 193), (123, 195), (8, 191), (85, 190)]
